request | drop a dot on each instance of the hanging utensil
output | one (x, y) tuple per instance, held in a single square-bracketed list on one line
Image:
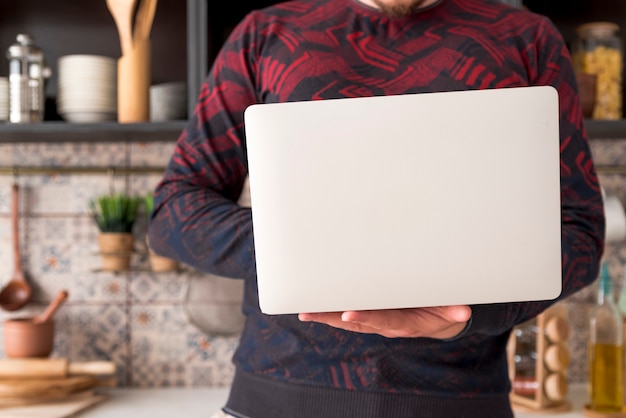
[(144, 20), (46, 315), (122, 11), (17, 292)]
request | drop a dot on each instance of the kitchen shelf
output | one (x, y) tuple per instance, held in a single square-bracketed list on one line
[(606, 129), (53, 132)]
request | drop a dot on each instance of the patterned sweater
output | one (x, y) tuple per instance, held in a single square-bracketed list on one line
[(323, 49)]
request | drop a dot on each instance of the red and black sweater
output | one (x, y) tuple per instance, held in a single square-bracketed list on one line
[(323, 49)]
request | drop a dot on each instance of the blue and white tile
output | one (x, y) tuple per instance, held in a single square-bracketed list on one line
[(6, 155), (81, 154), (167, 351), (148, 287), (578, 342), (95, 332), (143, 184), (609, 152), (151, 154), (60, 254)]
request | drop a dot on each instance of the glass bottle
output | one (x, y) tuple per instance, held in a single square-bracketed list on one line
[(606, 345), (525, 359), (599, 52)]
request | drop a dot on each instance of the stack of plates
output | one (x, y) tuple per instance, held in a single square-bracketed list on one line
[(4, 99), (87, 90)]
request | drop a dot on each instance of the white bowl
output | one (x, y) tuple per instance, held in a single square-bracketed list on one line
[(88, 117), (86, 59)]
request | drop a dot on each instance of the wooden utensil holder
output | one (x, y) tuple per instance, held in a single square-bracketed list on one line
[(133, 84), (550, 387)]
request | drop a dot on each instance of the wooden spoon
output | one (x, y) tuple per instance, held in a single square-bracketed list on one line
[(122, 11), (144, 19), (17, 292), (51, 309)]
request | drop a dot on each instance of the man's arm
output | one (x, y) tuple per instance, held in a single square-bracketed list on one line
[(196, 219)]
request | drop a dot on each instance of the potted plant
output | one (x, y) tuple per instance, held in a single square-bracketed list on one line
[(115, 215), (157, 263)]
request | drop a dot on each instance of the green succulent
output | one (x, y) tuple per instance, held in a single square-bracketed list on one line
[(148, 202), (115, 213)]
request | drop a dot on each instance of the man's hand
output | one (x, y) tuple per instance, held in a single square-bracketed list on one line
[(433, 322)]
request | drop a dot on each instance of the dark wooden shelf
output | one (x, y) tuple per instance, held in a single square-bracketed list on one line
[(606, 129), (53, 132)]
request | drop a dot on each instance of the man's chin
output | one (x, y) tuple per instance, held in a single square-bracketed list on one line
[(397, 9)]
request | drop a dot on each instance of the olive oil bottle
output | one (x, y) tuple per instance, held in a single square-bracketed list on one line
[(606, 348)]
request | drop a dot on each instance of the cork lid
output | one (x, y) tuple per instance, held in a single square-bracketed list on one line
[(555, 387), (556, 358), (598, 29), (557, 328)]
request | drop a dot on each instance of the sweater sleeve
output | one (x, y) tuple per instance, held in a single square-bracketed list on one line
[(582, 212), (196, 219)]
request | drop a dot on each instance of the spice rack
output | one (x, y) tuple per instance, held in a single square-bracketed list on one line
[(538, 359)]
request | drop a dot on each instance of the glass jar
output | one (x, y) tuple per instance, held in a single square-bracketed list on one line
[(599, 52)]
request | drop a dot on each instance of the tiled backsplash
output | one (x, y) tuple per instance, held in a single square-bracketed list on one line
[(136, 319), (139, 319)]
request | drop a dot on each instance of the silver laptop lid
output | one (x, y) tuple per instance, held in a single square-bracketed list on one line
[(406, 201)]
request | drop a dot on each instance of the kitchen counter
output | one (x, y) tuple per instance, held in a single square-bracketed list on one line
[(203, 402)]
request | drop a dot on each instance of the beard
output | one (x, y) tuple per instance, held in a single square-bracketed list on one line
[(399, 10)]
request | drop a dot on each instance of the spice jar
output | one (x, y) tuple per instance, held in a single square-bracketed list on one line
[(599, 52), (525, 359)]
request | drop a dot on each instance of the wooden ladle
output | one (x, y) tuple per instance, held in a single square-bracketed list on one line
[(123, 12), (17, 291), (52, 308)]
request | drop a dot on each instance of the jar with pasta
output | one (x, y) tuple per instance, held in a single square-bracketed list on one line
[(599, 52)]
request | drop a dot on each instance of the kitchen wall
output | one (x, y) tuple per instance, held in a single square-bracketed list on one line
[(136, 319), (139, 319)]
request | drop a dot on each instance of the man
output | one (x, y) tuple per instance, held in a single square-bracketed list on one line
[(428, 362)]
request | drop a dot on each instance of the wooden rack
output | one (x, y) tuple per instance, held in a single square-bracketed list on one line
[(547, 389)]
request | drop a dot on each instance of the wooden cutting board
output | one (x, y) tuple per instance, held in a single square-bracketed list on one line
[(17, 392), (65, 408)]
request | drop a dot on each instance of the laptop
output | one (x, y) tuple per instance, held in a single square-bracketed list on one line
[(406, 201)]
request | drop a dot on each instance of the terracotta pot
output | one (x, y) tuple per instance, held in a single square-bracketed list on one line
[(24, 338), (115, 250), (116, 242), (161, 264)]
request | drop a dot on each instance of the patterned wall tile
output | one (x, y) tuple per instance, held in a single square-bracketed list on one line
[(144, 184), (577, 344), (167, 351), (57, 194), (95, 332), (153, 154), (82, 154), (148, 287), (61, 253), (6, 155), (608, 151)]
